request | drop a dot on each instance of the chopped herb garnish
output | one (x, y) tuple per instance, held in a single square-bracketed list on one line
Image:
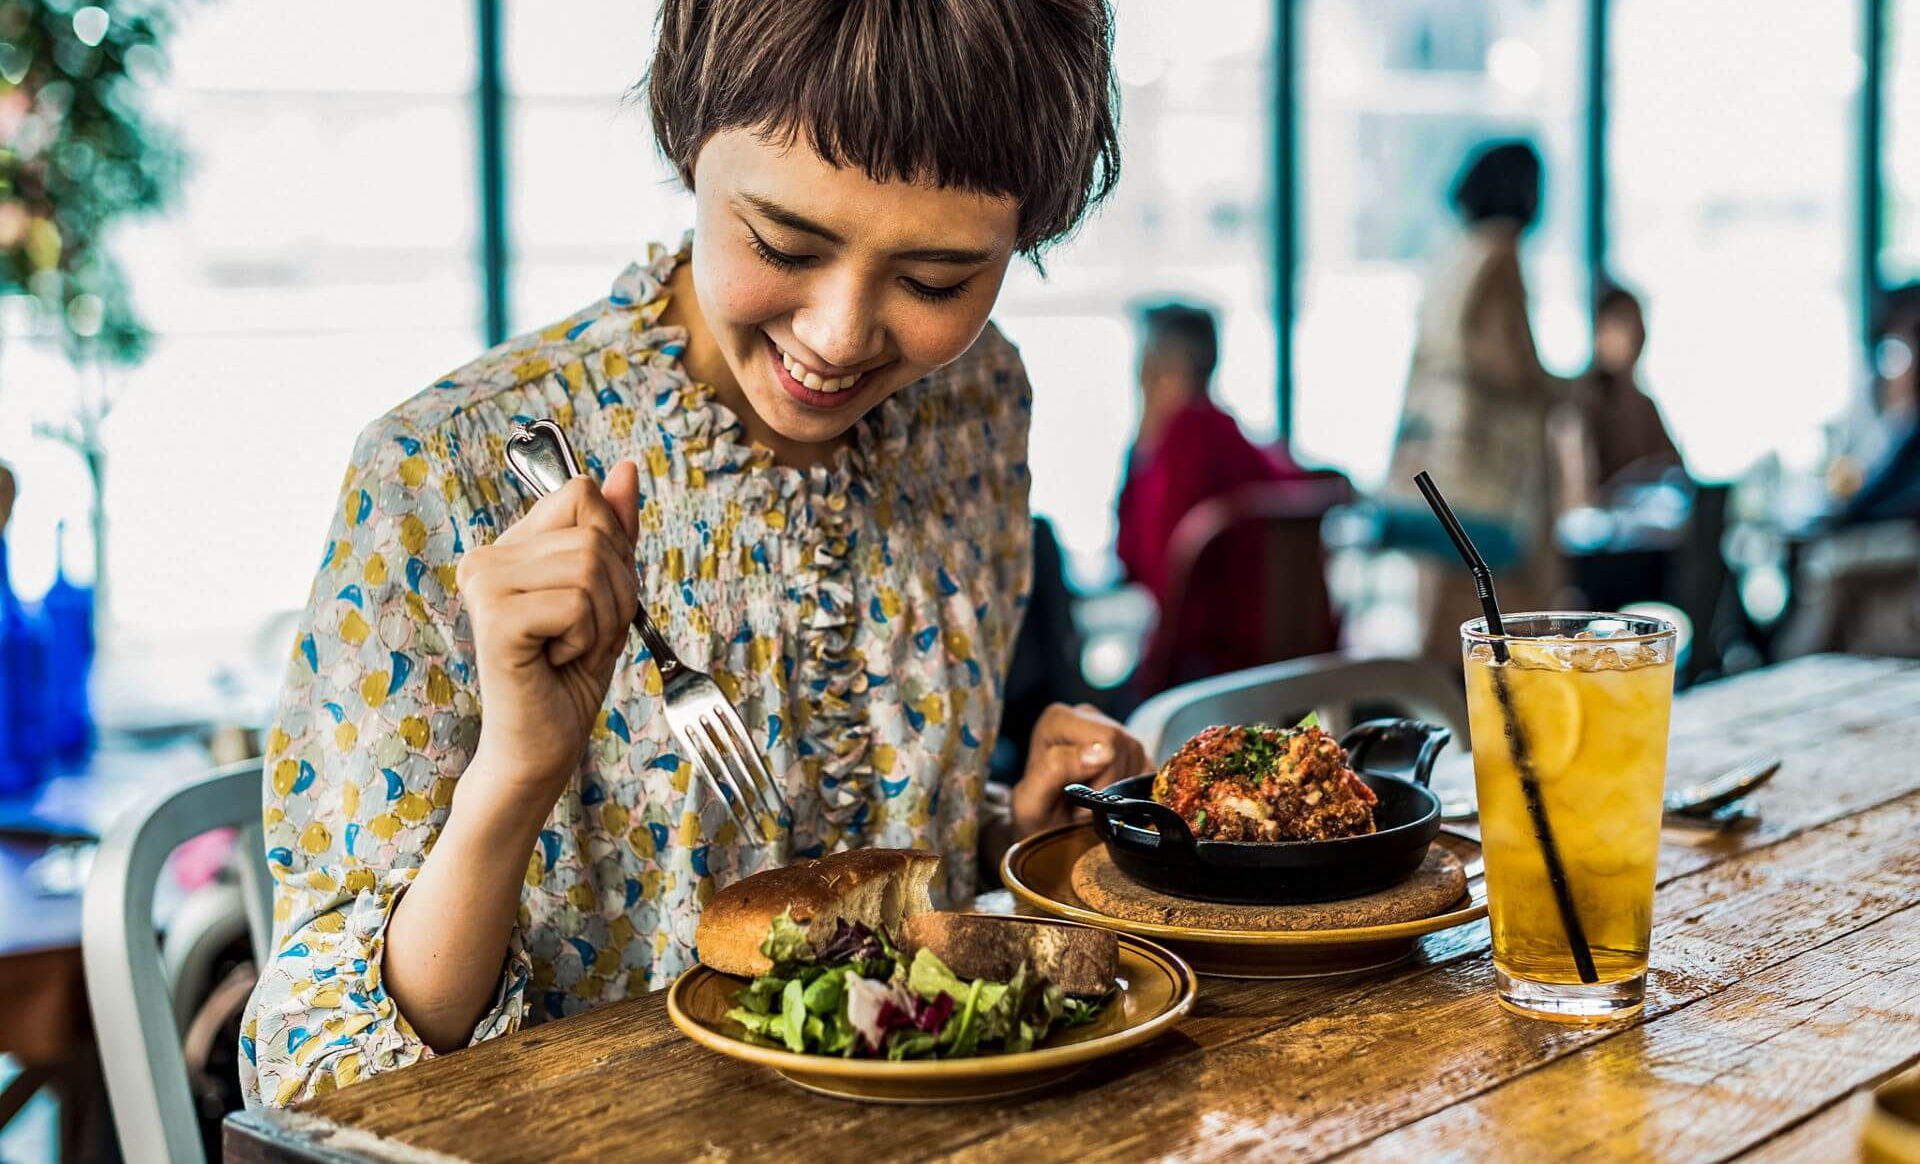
[(1200, 819), (1258, 754)]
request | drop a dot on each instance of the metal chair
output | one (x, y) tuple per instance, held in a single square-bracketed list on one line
[(1340, 688), (135, 1017), (1246, 584)]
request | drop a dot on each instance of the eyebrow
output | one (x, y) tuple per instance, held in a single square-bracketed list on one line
[(776, 213)]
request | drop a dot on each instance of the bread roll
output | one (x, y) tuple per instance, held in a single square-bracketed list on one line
[(875, 887), (1078, 959)]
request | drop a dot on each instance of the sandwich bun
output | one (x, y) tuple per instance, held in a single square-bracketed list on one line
[(878, 888)]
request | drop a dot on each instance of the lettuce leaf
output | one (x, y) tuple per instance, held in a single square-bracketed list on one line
[(787, 942), (908, 1043), (827, 994), (929, 977), (759, 1025), (793, 1012), (762, 995), (1078, 1012)]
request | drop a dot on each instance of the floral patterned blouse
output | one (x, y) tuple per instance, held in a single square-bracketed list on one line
[(861, 616)]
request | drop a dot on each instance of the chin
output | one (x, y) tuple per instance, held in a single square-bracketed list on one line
[(800, 424)]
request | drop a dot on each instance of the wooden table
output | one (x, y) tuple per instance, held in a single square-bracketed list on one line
[(1786, 975)]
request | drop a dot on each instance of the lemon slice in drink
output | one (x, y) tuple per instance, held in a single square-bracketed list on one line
[(1544, 699)]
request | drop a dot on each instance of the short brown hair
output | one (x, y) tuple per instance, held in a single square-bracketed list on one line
[(1005, 97)]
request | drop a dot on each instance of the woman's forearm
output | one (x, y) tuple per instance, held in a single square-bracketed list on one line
[(447, 940)]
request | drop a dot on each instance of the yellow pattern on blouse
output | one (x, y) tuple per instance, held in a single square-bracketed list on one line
[(862, 616)]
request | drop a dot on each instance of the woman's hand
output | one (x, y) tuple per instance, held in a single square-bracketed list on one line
[(1071, 745), (551, 601)]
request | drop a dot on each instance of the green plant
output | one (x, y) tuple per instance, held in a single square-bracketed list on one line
[(78, 152)]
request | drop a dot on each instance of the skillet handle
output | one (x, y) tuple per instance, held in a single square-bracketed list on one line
[(1397, 736), (1171, 826)]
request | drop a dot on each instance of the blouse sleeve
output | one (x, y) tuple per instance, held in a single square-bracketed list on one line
[(377, 718)]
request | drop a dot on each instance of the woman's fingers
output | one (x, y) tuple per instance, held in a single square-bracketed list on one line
[(556, 622), (1071, 745), (622, 493), (580, 502), (580, 557)]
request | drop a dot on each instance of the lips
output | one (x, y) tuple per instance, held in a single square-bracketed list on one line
[(807, 385)]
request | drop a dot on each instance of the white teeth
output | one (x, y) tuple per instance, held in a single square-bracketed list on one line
[(814, 380)]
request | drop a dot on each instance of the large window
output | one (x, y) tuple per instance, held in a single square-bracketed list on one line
[(319, 268), (1393, 96), (1190, 220), (587, 191), (324, 261), (1900, 145), (1732, 151)]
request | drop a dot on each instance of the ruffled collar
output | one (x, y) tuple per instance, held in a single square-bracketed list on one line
[(822, 507)]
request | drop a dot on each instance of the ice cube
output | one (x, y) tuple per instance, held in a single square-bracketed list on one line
[(1481, 652)]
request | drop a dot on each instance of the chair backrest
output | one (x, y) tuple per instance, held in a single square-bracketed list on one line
[(1246, 584), (133, 1013), (1343, 690)]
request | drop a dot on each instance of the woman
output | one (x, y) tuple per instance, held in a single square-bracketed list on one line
[(1478, 400), (1612, 429), (811, 443)]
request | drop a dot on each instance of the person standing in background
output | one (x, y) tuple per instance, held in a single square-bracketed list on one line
[(1187, 449), (1618, 436), (1478, 400)]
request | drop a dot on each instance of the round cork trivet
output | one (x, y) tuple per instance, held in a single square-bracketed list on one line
[(1437, 884)]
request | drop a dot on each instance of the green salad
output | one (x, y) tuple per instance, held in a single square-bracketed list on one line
[(857, 996)]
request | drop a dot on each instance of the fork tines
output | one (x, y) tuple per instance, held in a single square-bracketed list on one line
[(717, 745)]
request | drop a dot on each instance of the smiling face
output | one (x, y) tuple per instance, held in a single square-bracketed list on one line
[(823, 292)]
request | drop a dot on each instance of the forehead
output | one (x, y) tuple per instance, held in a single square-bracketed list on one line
[(882, 215)]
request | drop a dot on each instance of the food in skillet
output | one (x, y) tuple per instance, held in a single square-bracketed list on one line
[(848, 958), (1265, 784)]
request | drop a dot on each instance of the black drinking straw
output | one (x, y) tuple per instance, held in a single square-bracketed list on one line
[(1516, 735)]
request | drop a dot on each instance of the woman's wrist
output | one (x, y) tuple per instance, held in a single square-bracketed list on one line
[(492, 803)]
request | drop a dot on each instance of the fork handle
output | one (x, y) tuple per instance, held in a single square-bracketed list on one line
[(656, 644), (539, 455)]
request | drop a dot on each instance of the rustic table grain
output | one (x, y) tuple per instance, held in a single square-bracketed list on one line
[(1786, 977)]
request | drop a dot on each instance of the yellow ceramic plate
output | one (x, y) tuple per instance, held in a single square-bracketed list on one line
[(1891, 1133), (1039, 871), (1155, 989)]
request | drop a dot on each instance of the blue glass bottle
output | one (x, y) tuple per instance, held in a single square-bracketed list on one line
[(23, 743), (67, 617)]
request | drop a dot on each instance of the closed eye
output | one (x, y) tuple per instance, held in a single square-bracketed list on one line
[(774, 257), (935, 294)]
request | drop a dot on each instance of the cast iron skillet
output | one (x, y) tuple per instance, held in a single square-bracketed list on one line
[(1164, 854)]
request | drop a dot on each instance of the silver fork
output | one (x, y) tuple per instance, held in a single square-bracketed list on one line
[(707, 726)]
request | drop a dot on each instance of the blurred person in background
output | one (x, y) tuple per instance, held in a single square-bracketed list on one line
[(1187, 448), (1858, 586), (1614, 432), (1478, 400), (1890, 485)]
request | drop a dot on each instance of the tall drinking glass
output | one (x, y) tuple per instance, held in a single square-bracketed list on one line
[(1570, 762)]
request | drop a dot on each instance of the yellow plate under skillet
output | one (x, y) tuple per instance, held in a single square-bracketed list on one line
[(1039, 871), (1155, 989)]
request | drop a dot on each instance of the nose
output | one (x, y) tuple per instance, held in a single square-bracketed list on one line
[(839, 324)]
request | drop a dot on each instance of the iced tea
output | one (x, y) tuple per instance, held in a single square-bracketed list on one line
[(1579, 707)]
